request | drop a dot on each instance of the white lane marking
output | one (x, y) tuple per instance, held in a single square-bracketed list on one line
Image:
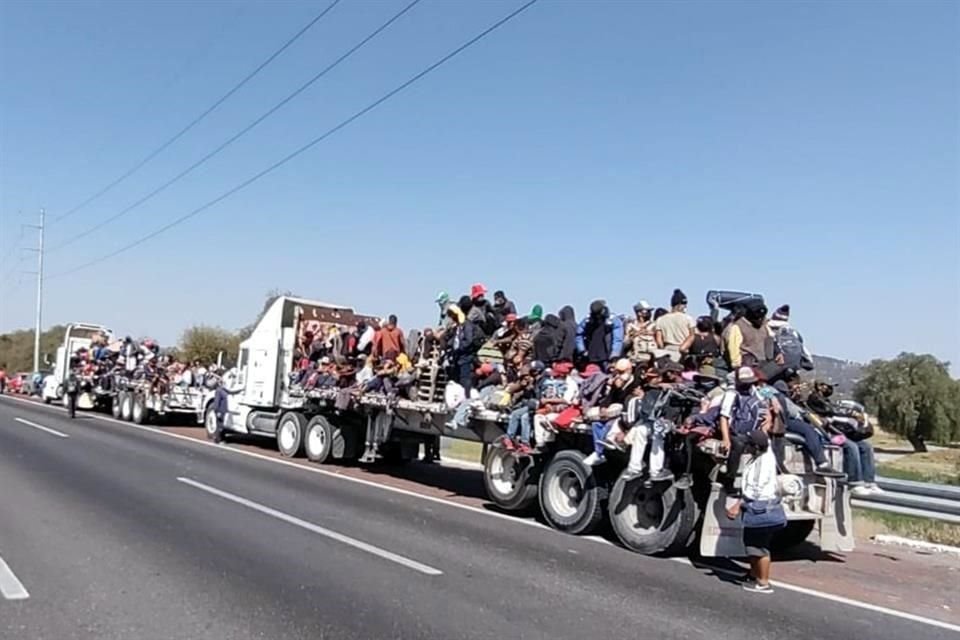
[(309, 526), (530, 523), (10, 586), (42, 428)]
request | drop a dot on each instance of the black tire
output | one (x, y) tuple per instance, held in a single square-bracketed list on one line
[(511, 482), (690, 520), (571, 497), (126, 407), (648, 520), (115, 406), (793, 534), (318, 441), (139, 414), (290, 431), (210, 422)]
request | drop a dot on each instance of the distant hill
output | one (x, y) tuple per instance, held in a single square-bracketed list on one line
[(843, 374)]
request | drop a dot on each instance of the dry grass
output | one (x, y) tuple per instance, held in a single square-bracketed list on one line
[(942, 466), (462, 450), (868, 523)]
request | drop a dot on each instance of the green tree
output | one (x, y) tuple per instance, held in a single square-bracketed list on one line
[(205, 344), (913, 396), (16, 348)]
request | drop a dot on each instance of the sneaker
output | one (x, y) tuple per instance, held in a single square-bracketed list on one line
[(661, 476), (824, 469), (684, 482), (508, 444), (594, 459), (860, 491), (875, 489), (629, 474), (524, 449), (755, 587)]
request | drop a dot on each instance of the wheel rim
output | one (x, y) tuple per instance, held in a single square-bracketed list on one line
[(288, 435), (565, 491), (126, 409), (137, 411), (503, 474), (645, 510), (317, 440)]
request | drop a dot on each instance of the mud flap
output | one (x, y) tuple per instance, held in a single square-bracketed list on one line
[(836, 527), (720, 536)]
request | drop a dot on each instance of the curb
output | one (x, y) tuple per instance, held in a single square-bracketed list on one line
[(917, 545)]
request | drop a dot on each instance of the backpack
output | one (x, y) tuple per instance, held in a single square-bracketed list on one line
[(746, 413), (791, 346)]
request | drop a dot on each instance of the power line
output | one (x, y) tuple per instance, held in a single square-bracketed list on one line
[(240, 133), (359, 114), (153, 154)]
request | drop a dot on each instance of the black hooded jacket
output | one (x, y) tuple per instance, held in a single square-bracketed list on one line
[(568, 325), (547, 342)]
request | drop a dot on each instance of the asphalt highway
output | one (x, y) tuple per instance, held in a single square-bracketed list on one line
[(112, 532)]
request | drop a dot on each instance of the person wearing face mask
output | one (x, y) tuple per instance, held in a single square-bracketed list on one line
[(742, 411), (750, 343), (600, 336), (641, 333)]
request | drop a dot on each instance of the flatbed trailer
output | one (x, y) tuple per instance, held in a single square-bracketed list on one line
[(342, 424), (140, 402)]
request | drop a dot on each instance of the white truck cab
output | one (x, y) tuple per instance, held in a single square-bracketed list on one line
[(77, 336)]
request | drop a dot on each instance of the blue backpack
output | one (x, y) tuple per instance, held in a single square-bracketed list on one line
[(747, 413)]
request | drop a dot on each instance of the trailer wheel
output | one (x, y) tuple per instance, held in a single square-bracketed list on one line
[(690, 518), (126, 407), (571, 497), (318, 443), (511, 482), (648, 520), (290, 432), (793, 534), (115, 406), (139, 412)]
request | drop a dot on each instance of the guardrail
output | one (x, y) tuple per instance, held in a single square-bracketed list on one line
[(920, 499)]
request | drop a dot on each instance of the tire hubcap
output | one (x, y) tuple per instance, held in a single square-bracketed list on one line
[(287, 436), (565, 491), (317, 440)]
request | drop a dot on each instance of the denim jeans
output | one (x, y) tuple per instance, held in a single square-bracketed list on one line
[(858, 462), (462, 414), (520, 419), (600, 431), (811, 439)]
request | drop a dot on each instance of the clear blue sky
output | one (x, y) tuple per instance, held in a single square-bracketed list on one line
[(808, 151)]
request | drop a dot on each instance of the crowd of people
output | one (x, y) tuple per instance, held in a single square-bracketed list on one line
[(545, 372), (104, 361)]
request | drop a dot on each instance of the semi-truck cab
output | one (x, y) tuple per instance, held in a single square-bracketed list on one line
[(78, 335)]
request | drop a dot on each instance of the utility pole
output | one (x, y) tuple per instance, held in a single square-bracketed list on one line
[(39, 250)]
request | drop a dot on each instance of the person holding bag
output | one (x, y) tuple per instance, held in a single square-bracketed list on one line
[(760, 510)]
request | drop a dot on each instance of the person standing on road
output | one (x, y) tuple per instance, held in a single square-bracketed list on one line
[(3, 378), (759, 509)]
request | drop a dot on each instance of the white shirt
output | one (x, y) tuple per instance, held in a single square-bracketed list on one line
[(760, 477)]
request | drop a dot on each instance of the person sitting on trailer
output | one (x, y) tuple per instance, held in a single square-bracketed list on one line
[(599, 335), (559, 399), (523, 398), (637, 431), (742, 411), (619, 388), (703, 347), (463, 343), (515, 342)]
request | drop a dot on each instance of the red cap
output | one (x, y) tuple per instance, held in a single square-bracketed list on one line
[(511, 317), (478, 290), (591, 369), (485, 369)]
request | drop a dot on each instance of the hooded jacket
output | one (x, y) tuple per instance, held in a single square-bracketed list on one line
[(600, 337), (568, 324), (547, 343)]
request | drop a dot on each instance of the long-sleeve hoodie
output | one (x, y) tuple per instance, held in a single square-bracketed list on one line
[(600, 337), (568, 324)]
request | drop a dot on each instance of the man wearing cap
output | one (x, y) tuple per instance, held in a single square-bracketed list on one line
[(641, 333), (795, 423), (557, 392), (599, 336), (742, 411), (481, 312), (673, 328), (619, 389)]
